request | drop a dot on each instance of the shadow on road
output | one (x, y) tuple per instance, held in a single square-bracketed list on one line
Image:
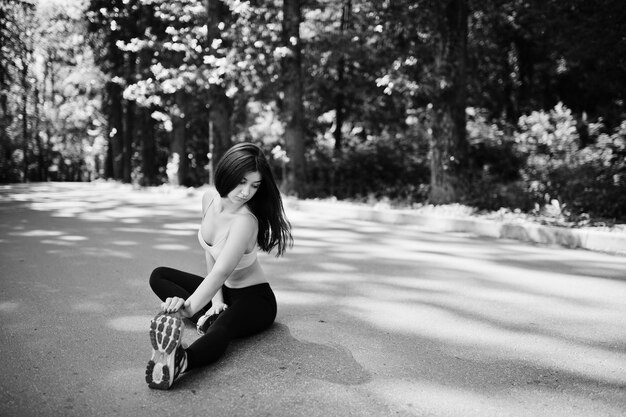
[(373, 319)]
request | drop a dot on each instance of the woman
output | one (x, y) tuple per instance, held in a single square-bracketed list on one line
[(234, 299)]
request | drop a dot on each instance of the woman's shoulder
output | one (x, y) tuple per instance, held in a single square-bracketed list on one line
[(245, 219), (244, 224), (208, 198), (246, 216)]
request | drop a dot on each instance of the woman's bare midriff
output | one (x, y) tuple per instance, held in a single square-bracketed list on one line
[(247, 277)]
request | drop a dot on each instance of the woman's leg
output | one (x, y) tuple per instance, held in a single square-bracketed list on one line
[(169, 358), (250, 311), (169, 282)]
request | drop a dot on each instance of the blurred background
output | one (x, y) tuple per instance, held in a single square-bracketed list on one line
[(506, 104)]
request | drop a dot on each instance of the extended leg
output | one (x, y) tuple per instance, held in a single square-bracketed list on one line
[(250, 311)]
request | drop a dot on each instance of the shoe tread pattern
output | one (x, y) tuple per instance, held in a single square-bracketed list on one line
[(166, 333)]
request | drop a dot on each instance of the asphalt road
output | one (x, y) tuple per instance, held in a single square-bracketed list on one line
[(374, 320)]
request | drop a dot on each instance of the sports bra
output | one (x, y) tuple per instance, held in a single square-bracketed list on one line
[(214, 250)]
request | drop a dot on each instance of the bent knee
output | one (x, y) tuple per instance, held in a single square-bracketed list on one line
[(157, 275)]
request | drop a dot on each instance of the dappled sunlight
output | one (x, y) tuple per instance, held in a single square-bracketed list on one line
[(37, 233), (491, 338), (336, 267), (303, 250), (333, 278), (9, 306), (417, 322), (136, 283), (171, 246), (130, 221), (56, 242), (419, 397), (438, 399), (309, 244), (349, 255), (89, 307), (301, 298), (155, 231), (99, 252), (469, 295), (124, 243), (181, 226), (73, 238), (130, 323), (115, 380)]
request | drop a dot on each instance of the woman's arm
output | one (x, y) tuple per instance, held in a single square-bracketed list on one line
[(242, 231), (218, 300)]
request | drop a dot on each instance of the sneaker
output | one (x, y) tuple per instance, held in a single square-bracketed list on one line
[(205, 321), (168, 356)]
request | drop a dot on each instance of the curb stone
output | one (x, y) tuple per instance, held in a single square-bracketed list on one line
[(584, 238)]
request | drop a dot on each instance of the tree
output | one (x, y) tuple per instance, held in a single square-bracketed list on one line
[(191, 78), (292, 101), (18, 22), (108, 23), (448, 149), (220, 106), (426, 82)]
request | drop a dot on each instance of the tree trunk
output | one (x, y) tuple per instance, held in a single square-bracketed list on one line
[(145, 132), (127, 147), (178, 146), (341, 69), (219, 115), (292, 103), (116, 127), (148, 147), (4, 87), (129, 121), (448, 144), (220, 106), (24, 109), (47, 78), (41, 171)]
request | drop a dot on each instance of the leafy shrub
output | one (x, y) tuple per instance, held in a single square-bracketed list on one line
[(596, 180), (495, 164), (387, 166), (588, 180)]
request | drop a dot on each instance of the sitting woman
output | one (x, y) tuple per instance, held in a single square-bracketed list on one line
[(234, 299)]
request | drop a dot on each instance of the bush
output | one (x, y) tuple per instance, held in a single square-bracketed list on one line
[(388, 166), (539, 166), (596, 180), (589, 180)]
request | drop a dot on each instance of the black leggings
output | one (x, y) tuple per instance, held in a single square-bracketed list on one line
[(250, 311)]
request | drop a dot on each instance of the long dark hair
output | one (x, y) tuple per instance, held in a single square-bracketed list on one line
[(266, 204)]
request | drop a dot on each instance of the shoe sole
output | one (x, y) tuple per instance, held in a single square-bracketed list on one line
[(166, 334)]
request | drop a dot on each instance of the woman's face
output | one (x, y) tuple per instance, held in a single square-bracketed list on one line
[(246, 189)]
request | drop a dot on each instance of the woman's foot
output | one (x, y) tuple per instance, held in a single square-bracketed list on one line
[(168, 356), (205, 321)]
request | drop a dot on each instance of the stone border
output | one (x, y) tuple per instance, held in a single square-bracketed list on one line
[(584, 238)]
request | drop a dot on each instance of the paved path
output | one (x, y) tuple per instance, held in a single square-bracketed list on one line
[(374, 320)]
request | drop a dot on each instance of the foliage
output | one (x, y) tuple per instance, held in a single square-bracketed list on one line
[(52, 116), (86, 83), (392, 166), (561, 177), (494, 175), (594, 181)]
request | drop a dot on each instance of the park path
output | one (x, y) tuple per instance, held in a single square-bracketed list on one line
[(374, 320)]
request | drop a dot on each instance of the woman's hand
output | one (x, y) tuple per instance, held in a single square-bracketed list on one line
[(175, 304), (210, 316), (216, 308)]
